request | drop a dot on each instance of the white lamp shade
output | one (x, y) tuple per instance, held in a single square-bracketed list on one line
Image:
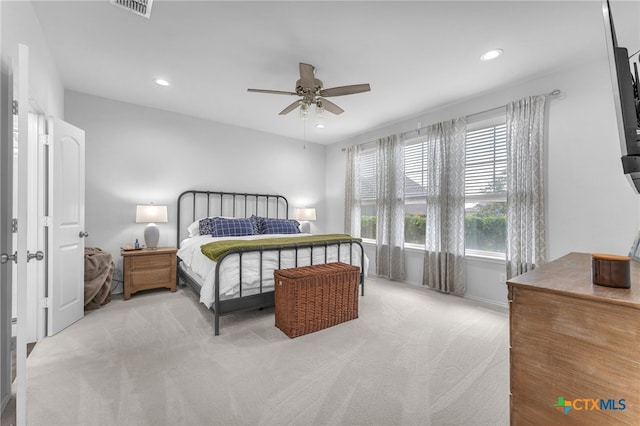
[(151, 214), (305, 213)]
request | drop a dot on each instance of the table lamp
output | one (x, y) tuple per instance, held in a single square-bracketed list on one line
[(151, 214), (304, 215)]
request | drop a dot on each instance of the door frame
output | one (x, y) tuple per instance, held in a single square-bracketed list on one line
[(37, 196)]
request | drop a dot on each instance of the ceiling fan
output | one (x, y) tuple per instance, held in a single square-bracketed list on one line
[(312, 92)]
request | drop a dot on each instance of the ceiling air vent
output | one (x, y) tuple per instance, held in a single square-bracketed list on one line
[(139, 7)]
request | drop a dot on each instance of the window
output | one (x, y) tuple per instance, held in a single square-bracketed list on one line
[(485, 193), (485, 190), (368, 191), (414, 193)]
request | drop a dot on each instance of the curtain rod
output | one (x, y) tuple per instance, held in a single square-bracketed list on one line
[(555, 92)]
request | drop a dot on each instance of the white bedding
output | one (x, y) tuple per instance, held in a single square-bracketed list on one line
[(204, 268)]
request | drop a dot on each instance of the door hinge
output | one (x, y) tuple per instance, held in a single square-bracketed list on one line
[(45, 221), (14, 225), (44, 302), (14, 107), (44, 139)]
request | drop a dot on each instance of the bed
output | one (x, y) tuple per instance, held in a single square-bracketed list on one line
[(233, 273)]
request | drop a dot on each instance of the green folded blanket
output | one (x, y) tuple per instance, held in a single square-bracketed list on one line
[(216, 249)]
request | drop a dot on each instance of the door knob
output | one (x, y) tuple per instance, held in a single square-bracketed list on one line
[(39, 255), (4, 257), (83, 234)]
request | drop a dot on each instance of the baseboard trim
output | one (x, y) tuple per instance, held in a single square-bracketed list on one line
[(487, 301)]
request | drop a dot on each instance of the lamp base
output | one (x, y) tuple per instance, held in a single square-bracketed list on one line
[(151, 235)]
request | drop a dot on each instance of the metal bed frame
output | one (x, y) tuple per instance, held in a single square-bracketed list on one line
[(234, 204)]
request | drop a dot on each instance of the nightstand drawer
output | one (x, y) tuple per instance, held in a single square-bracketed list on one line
[(146, 263), (142, 278)]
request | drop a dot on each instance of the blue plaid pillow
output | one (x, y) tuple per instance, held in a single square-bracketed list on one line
[(279, 226), (233, 227)]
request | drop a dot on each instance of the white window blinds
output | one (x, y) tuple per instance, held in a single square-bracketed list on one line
[(414, 182), (486, 163), (485, 166), (368, 175)]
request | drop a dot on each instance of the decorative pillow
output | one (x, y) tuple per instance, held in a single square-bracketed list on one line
[(233, 227), (259, 221), (279, 226), (206, 226), (194, 230)]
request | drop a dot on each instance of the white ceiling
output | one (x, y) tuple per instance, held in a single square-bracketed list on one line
[(416, 55)]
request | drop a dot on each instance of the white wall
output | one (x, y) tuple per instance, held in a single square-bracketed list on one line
[(590, 205), (136, 155), (20, 25)]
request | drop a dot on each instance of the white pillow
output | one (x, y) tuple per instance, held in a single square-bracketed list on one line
[(193, 230)]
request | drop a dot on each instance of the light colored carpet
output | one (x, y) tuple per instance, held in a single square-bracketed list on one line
[(413, 357)]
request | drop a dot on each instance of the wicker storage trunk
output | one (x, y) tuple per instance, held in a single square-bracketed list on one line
[(311, 298)]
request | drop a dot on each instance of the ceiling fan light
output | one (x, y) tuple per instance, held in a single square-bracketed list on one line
[(312, 91), (319, 116), (304, 111)]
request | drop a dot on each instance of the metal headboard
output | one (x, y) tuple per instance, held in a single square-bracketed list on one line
[(195, 204)]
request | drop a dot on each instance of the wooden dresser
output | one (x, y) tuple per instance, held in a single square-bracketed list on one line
[(148, 268), (574, 344)]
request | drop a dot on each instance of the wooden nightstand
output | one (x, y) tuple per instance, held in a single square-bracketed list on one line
[(148, 268)]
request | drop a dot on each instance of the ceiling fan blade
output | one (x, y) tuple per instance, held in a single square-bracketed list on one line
[(330, 106), (273, 92), (291, 107), (306, 75), (345, 90)]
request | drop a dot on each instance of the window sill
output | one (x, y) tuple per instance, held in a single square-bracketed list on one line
[(414, 247), (474, 255), (485, 256)]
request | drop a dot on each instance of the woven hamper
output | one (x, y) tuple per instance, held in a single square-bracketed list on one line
[(311, 298)]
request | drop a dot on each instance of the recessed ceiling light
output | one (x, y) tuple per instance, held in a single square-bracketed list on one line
[(492, 54), (161, 82)]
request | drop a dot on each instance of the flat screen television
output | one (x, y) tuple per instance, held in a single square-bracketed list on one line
[(624, 75)]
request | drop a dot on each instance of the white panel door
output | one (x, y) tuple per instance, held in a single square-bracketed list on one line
[(66, 228), (22, 238), (6, 239)]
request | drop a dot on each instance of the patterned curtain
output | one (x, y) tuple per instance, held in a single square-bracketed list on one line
[(444, 268), (390, 208), (352, 192), (526, 240)]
